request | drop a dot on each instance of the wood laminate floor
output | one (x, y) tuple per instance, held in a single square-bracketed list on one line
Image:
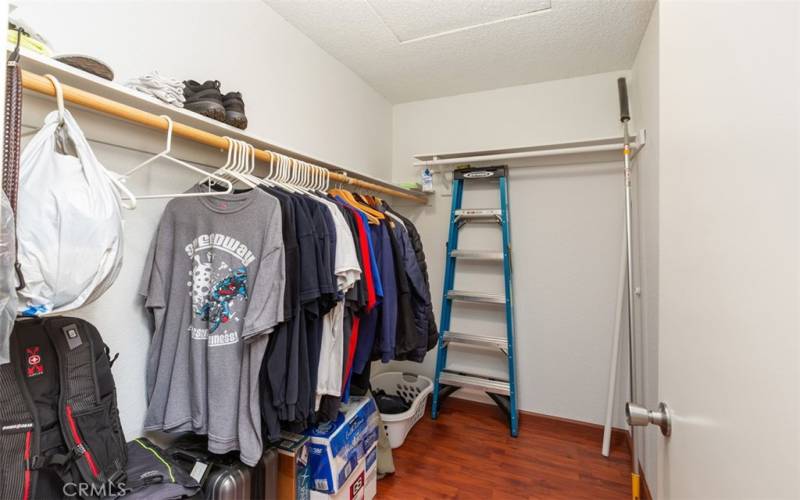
[(468, 453)]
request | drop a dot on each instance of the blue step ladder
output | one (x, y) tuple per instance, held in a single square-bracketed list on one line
[(502, 392)]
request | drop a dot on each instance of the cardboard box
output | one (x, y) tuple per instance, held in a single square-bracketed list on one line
[(371, 489), (362, 483), (337, 447), (294, 477)]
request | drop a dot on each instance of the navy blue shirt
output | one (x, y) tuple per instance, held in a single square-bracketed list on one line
[(379, 327)]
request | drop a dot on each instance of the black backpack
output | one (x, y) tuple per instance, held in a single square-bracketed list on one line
[(60, 433)]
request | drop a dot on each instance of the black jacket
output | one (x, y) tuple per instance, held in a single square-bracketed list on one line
[(431, 336)]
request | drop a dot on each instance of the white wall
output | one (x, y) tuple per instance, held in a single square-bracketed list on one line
[(567, 223), (295, 94), (645, 107)]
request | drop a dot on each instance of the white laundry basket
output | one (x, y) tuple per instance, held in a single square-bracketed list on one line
[(414, 389)]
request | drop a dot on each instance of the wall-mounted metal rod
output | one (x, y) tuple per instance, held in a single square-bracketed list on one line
[(526, 154), (40, 84)]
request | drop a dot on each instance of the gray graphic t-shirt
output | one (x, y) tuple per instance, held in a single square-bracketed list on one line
[(214, 282)]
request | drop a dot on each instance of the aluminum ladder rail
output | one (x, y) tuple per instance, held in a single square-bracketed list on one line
[(502, 392)]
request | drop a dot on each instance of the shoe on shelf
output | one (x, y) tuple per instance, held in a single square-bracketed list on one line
[(204, 99), (234, 110)]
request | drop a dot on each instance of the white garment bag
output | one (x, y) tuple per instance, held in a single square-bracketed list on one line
[(69, 221), (8, 293)]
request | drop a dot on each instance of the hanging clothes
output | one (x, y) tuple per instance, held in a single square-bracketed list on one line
[(347, 271), (427, 329), (268, 302), (214, 282), (413, 263), (406, 332)]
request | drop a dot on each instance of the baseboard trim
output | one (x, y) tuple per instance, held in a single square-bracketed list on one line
[(479, 397), (589, 425)]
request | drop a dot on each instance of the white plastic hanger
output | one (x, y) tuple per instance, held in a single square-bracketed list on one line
[(227, 171), (327, 186), (310, 182), (59, 102), (292, 170), (295, 179), (59, 96), (128, 200), (251, 165), (267, 179), (323, 180), (221, 171), (315, 181), (246, 152), (165, 155), (282, 170), (283, 174), (316, 178), (247, 164), (307, 177), (235, 164)]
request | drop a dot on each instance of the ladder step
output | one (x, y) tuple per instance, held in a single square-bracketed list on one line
[(477, 340), (477, 255), (475, 382), (476, 213), (486, 298)]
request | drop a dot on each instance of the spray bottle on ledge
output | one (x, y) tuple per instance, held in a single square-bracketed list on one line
[(427, 181)]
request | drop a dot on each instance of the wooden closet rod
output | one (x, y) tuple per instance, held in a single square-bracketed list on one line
[(42, 85)]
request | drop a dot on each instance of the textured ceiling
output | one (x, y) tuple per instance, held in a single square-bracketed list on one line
[(418, 49), (418, 20)]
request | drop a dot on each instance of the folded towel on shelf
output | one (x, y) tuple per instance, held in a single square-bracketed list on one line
[(164, 95), (163, 88)]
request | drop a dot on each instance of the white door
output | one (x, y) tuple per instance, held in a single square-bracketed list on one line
[(728, 269)]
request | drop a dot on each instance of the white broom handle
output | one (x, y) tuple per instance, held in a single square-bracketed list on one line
[(615, 347)]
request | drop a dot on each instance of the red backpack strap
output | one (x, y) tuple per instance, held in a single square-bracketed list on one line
[(89, 419)]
